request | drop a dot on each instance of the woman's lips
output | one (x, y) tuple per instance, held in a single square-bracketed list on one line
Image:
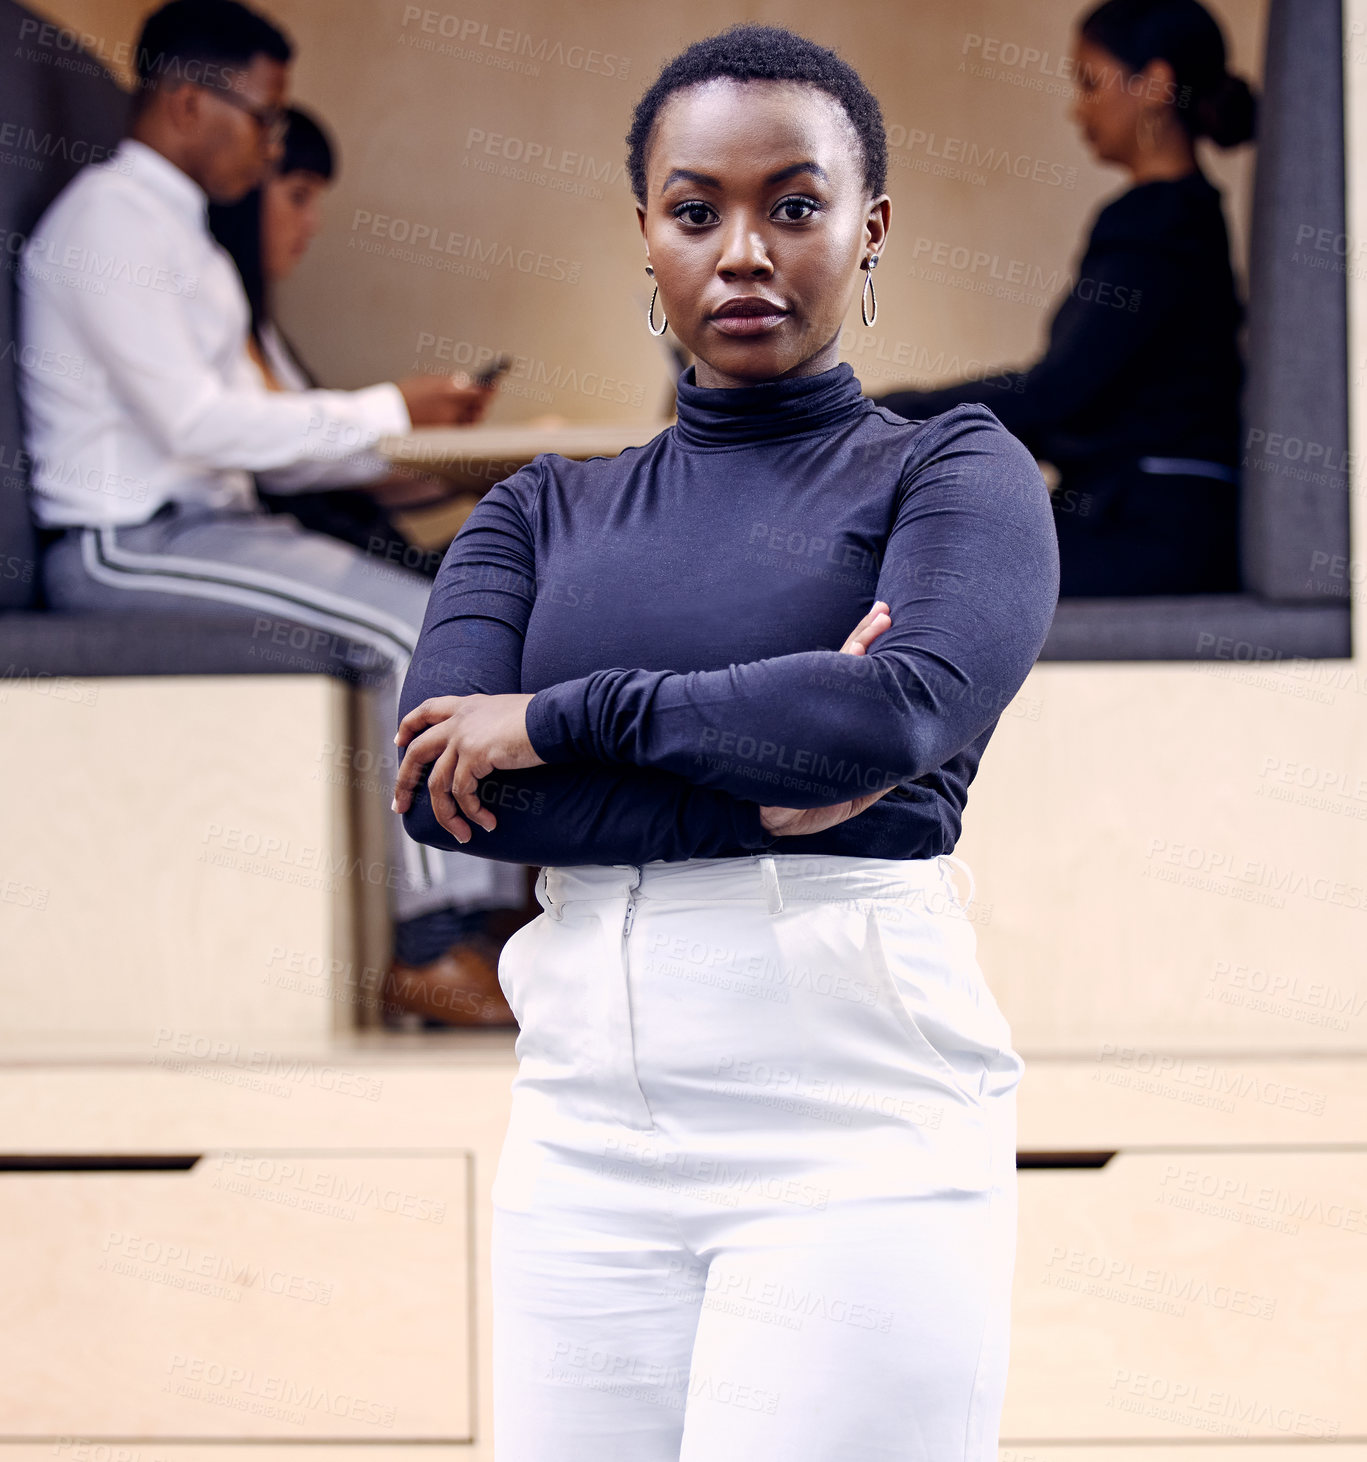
[(749, 324)]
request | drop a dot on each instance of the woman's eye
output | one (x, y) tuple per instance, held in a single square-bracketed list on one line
[(794, 210), (694, 213)]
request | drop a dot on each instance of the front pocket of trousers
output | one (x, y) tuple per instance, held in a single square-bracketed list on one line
[(938, 1014), (561, 985), (509, 958)]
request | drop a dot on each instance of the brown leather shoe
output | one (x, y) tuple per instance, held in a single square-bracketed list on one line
[(460, 987)]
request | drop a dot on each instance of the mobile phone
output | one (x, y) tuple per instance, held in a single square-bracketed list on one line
[(498, 367)]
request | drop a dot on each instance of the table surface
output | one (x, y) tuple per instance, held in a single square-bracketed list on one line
[(457, 450), (473, 458)]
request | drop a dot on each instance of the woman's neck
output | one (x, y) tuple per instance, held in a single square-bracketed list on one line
[(1170, 157), (1152, 170), (710, 378)]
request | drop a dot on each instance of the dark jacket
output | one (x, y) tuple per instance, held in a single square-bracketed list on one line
[(1143, 355)]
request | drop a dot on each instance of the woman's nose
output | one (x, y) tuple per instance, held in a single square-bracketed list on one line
[(743, 252)]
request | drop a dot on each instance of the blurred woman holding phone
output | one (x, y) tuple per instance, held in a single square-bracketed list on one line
[(267, 233)]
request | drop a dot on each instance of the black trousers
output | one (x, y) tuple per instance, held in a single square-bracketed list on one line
[(355, 517), (1126, 532)]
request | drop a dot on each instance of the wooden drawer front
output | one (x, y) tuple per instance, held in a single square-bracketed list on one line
[(1138, 1098), (290, 1295), (1201, 1296)]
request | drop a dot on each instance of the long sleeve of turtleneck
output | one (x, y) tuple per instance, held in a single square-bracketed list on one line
[(677, 612), (968, 575), (472, 644)]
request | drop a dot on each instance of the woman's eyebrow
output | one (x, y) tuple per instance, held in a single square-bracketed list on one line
[(816, 170), (687, 175), (706, 180)]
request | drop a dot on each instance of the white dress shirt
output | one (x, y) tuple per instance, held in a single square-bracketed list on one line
[(134, 373), (311, 476)]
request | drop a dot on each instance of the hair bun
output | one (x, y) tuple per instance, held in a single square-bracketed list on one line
[(1227, 115)]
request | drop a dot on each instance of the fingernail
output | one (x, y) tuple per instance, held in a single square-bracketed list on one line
[(394, 805), (396, 738)]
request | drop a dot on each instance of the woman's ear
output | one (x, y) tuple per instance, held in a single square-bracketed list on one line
[(1160, 82), (876, 223), (641, 221)]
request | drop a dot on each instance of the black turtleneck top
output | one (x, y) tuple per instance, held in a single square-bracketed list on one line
[(678, 612), (1143, 354)]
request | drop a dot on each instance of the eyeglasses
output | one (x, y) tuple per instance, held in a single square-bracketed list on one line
[(273, 121)]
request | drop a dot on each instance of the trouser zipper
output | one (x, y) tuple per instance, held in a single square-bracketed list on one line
[(627, 920)]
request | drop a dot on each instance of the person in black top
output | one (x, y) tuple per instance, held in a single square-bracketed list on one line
[(1136, 399)]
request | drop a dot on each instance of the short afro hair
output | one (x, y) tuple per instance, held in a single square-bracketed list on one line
[(194, 39), (762, 53)]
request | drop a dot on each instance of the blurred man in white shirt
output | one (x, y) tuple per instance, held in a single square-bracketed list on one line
[(142, 457)]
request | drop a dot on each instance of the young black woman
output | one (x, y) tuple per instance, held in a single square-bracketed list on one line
[(757, 1195)]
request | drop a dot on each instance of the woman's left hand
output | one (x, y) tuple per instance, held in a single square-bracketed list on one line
[(467, 736)]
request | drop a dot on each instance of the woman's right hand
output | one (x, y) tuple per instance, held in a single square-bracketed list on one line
[(453, 400), (791, 822), (868, 629)]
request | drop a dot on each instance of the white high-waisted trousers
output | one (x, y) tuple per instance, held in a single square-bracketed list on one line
[(757, 1197)]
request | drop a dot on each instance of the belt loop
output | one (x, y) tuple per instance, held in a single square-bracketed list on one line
[(972, 882), (543, 896), (768, 872)]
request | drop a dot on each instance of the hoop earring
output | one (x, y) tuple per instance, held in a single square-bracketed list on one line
[(868, 290), (650, 315)]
